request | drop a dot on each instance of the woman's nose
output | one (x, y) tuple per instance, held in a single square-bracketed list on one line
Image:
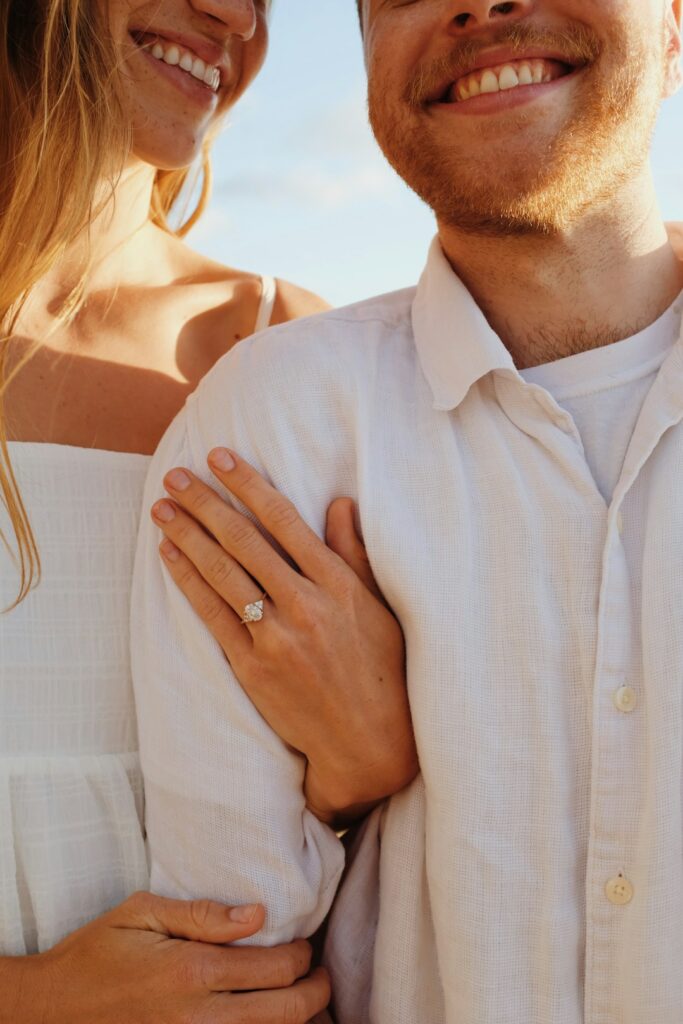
[(238, 16)]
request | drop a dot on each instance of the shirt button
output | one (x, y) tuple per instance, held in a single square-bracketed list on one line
[(619, 891), (625, 699)]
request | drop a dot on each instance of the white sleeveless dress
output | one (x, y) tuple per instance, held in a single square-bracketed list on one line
[(71, 800)]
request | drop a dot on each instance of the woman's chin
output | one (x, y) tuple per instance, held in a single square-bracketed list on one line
[(175, 156)]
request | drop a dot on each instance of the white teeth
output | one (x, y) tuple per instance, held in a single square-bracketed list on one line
[(501, 79), (198, 69), (489, 82), (508, 78), (524, 75), (195, 66)]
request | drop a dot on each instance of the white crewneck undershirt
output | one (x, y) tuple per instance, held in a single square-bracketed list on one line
[(604, 389)]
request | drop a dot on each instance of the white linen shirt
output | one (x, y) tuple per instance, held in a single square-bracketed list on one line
[(533, 873)]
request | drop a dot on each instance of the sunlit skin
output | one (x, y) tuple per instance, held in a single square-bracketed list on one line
[(544, 191), (157, 315), (170, 122)]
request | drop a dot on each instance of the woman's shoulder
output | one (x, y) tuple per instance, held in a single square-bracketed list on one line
[(227, 303), (293, 302)]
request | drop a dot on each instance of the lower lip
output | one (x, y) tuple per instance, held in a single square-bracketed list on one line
[(508, 99), (191, 87)]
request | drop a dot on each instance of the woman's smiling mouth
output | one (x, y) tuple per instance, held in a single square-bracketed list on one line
[(180, 57)]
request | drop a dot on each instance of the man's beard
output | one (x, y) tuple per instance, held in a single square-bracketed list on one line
[(603, 144)]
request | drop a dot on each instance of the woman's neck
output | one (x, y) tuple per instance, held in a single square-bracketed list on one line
[(107, 251)]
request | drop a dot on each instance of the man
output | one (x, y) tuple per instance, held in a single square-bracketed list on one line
[(512, 433)]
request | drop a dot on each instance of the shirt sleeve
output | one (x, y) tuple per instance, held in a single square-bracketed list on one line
[(225, 811)]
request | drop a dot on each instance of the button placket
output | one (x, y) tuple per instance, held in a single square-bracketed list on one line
[(609, 889)]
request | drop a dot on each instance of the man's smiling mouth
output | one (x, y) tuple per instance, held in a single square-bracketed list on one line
[(513, 74)]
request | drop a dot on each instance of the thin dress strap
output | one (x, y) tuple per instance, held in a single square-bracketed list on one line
[(268, 296)]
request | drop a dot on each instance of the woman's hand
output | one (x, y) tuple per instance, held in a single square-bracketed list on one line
[(326, 664), (159, 961)]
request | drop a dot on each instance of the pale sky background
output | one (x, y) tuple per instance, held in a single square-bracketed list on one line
[(302, 191)]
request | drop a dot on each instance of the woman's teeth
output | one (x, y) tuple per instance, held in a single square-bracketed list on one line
[(505, 77), (171, 54)]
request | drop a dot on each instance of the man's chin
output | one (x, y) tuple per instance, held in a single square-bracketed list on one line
[(503, 209)]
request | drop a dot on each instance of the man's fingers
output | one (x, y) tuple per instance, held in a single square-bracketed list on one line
[(275, 512), (211, 608), (235, 533), (251, 968), (342, 537), (195, 920), (295, 1005)]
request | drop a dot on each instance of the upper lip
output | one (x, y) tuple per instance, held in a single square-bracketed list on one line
[(494, 58), (211, 52)]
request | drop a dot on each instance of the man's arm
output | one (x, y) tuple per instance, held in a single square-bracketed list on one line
[(226, 813)]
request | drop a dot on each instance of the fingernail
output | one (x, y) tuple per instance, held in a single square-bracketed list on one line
[(178, 480), (221, 458), (169, 550), (164, 512), (243, 915)]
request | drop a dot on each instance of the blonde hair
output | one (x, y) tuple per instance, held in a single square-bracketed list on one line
[(62, 128)]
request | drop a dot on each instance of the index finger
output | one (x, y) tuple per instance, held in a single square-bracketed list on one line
[(252, 968), (275, 512)]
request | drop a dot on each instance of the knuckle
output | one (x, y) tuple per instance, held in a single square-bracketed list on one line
[(139, 902), (221, 569), (210, 609), (200, 913), (286, 970), (201, 498), (241, 533), (186, 577), (243, 476), (303, 611), (184, 529), (276, 647), (294, 1009), (281, 512)]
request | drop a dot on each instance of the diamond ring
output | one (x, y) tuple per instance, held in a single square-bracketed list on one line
[(253, 612)]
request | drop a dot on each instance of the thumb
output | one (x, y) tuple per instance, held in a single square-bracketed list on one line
[(196, 920), (342, 537)]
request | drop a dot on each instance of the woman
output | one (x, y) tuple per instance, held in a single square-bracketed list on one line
[(109, 321)]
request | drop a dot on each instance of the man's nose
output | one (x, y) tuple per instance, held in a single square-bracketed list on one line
[(238, 16), (477, 14)]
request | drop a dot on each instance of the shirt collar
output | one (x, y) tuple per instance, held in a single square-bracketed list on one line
[(455, 344)]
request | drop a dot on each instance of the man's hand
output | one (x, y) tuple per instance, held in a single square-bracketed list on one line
[(160, 961)]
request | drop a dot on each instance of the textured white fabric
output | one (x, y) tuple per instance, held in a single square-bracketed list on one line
[(603, 391), (524, 606), (71, 836), (71, 841)]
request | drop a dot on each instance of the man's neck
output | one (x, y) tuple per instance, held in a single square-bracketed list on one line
[(608, 277)]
